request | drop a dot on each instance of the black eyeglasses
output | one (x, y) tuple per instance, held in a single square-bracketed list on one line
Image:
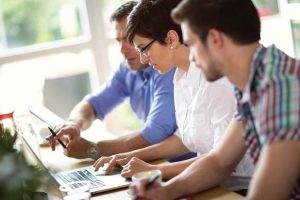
[(144, 50)]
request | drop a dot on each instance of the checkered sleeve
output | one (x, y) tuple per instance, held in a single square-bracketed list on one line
[(279, 107)]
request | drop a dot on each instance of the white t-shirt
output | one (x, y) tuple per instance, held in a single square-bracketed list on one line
[(203, 112)]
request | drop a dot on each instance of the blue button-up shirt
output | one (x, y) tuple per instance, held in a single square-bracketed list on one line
[(151, 99)]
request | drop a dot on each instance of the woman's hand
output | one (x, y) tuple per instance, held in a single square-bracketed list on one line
[(135, 165)]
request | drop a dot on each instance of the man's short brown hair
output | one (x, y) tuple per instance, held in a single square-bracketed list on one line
[(238, 19), (123, 11)]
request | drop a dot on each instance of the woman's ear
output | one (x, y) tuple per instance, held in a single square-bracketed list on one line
[(172, 39)]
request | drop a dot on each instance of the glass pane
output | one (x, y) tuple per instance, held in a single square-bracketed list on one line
[(30, 22), (294, 1), (23, 82), (296, 36), (266, 7), (108, 8)]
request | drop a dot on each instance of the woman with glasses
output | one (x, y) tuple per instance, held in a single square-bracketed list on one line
[(203, 110)]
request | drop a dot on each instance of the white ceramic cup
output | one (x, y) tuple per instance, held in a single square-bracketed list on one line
[(77, 190), (78, 196), (147, 175)]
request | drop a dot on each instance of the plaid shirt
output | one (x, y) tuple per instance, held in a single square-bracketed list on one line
[(270, 104)]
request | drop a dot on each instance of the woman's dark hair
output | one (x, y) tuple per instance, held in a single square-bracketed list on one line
[(152, 19)]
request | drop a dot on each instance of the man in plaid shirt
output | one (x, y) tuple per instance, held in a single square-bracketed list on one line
[(223, 36)]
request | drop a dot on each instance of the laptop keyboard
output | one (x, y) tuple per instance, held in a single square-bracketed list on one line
[(83, 175)]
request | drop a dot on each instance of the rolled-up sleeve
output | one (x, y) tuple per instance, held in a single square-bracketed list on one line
[(110, 95), (160, 122)]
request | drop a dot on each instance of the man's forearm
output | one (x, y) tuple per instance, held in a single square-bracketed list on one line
[(201, 175), (82, 115), (277, 171), (123, 144)]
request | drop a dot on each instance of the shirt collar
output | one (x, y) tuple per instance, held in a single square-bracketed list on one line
[(257, 58), (145, 75), (191, 78)]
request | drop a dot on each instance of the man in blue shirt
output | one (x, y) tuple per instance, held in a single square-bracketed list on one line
[(151, 98)]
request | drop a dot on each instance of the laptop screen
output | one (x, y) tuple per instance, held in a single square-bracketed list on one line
[(33, 158)]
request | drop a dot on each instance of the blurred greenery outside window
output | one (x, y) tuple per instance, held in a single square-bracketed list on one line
[(279, 16), (294, 1), (32, 22), (296, 36), (29, 22), (266, 7)]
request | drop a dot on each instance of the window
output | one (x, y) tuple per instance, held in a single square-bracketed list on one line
[(280, 17), (30, 22), (266, 7), (41, 40), (294, 1), (296, 36)]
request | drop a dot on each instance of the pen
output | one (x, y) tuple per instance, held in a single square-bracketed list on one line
[(60, 142), (148, 185)]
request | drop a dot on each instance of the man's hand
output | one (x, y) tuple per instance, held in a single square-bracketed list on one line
[(78, 148), (133, 166), (69, 130), (111, 160)]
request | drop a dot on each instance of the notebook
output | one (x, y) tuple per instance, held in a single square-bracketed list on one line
[(99, 182)]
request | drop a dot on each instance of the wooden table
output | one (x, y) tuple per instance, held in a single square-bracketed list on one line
[(57, 161)]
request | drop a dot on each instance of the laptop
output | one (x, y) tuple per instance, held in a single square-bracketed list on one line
[(99, 182)]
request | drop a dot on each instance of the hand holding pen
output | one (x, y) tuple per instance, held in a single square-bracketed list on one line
[(148, 185), (59, 140)]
